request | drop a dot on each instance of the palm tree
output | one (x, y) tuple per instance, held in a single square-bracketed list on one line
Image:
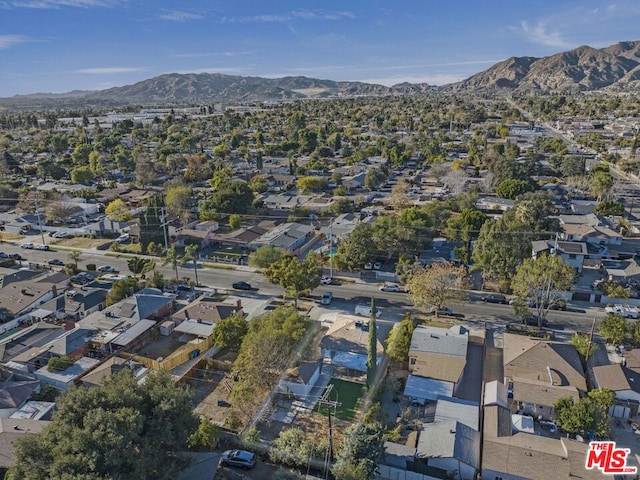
[(191, 254), (74, 256), (171, 257)]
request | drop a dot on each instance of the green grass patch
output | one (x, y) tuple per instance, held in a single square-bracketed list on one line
[(80, 242), (348, 395), (119, 255), (218, 265), (130, 248)]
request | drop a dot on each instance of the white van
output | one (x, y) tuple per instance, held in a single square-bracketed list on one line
[(365, 310)]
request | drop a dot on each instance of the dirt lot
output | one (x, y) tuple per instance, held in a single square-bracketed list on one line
[(209, 387)]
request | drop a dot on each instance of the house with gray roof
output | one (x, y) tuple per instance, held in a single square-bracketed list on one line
[(463, 411), (126, 324), (439, 353), (299, 381), (572, 253), (450, 446), (63, 380), (14, 394), (288, 236), (10, 430)]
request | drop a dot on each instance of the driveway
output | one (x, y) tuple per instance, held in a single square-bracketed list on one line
[(471, 386)]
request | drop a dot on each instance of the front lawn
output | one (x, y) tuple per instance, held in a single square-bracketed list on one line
[(348, 395)]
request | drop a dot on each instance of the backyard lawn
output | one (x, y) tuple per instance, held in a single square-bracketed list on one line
[(348, 395)]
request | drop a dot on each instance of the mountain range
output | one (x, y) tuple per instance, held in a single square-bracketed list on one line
[(614, 68)]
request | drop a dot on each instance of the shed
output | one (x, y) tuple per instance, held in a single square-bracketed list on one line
[(166, 327)]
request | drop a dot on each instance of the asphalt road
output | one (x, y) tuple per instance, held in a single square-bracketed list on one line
[(346, 294)]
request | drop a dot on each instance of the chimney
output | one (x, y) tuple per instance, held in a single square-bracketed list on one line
[(239, 303), (186, 314), (54, 289)]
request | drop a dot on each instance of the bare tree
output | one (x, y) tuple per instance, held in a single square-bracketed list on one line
[(433, 286)]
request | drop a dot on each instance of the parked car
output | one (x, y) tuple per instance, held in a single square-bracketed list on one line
[(55, 261), (368, 266), (3, 255), (390, 287), (16, 256), (28, 246), (627, 311), (241, 286), (238, 458), (124, 238), (60, 235), (365, 310), (377, 266), (532, 320), (42, 247), (325, 280), (106, 269), (495, 298), (326, 298), (440, 311)]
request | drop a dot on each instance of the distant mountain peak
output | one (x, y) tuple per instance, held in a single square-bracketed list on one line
[(583, 68)]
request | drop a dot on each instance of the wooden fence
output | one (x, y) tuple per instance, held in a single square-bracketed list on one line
[(180, 356)]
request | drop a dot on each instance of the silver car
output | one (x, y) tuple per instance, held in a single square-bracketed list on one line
[(238, 458)]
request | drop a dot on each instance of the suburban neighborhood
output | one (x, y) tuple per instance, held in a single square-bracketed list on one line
[(464, 301)]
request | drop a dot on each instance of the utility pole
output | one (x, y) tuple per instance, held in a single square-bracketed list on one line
[(593, 327), (164, 227), (39, 224), (324, 400), (331, 247)]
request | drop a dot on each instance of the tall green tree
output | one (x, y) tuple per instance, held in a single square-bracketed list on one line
[(614, 328), (140, 266), (265, 256), (123, 429), (360, 452), (295, 276), (466, 226), (191, 255), (542, 282), (230, 331), (372, 350), (172, 258), (399, 339)]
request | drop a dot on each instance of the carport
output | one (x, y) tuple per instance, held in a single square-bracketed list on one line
[(421, 389)]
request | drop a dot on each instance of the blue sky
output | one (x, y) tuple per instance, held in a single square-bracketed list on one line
[(62, 45)]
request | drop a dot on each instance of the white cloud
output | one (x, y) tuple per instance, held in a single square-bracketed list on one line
[(8, 41), (109, 70), (176, 16), (211, 54), (51, 4), (539, 33), (296, 14)]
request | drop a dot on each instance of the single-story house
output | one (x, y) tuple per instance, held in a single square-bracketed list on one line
[(439, 353), (66, 379), (346, 345), (300, 380)]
